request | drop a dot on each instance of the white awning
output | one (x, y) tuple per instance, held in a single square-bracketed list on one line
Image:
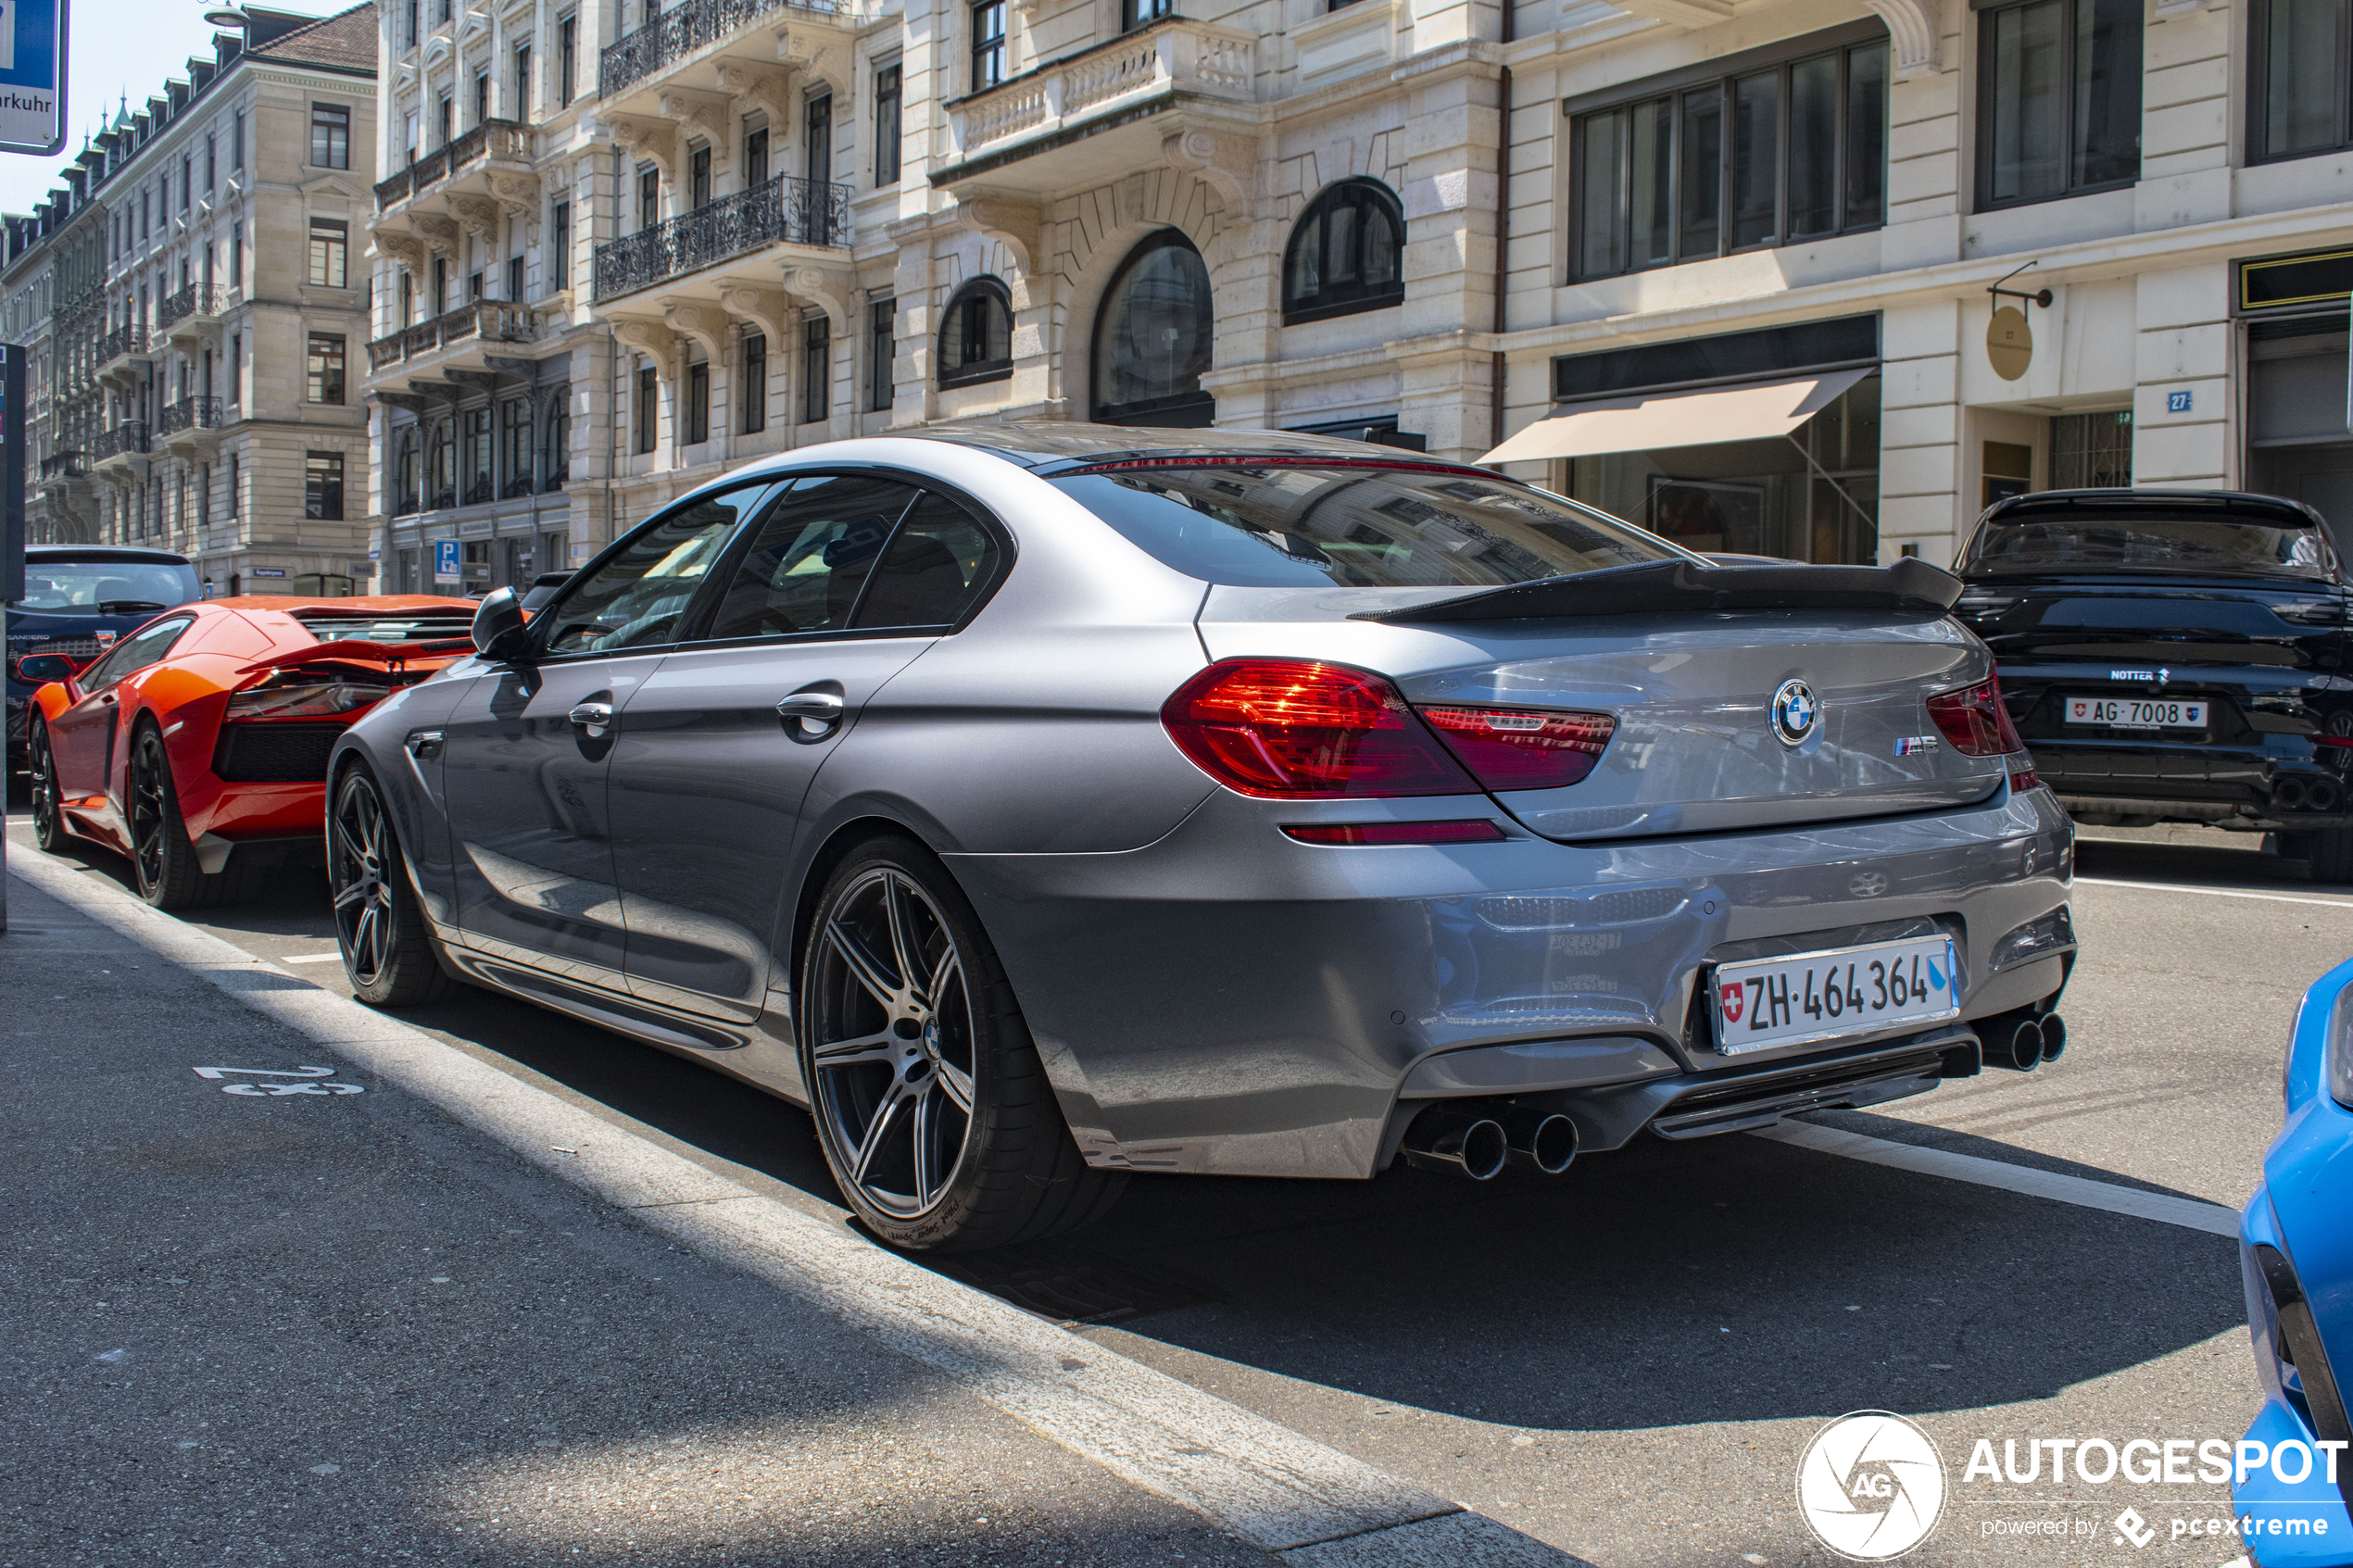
[(1698, 418)]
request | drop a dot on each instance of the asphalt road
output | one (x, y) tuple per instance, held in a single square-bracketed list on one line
[(1626, 1362)]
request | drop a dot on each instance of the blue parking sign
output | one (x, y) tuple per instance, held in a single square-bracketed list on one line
[(448, 561), (33, 76)]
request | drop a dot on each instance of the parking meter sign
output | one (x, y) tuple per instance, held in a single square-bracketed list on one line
[(448, 561), (33, 76)]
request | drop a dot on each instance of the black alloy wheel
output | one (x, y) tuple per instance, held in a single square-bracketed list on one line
[(163, 860), (48, 814), (932, 1106), (380, 925)]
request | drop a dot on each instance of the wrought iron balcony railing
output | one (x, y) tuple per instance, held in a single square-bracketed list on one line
[(131, 435), (129, 338), (196, 299), (683, 30), (787, 210), (499, 141), (189, 413), (494, 320), (62, 465)]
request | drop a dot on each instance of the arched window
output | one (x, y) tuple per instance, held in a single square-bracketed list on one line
[(1343, 254), (977, 337), (1153, 338)]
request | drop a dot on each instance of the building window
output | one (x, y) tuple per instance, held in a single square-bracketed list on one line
[(211, 158), (238, 143), (648, 196), (330, 245), (817, 145), (514, 442), (559, 441), (446, 118), (698, 178), (326, 368), (408, 306), (976, 334), (522, 82), (1153, 335), (1343, 254), (816, 370), (329, 136), (645, 410), (882, 355), (1701, 169), (407, 475), (236, 371), (237, 256), (187, 179), (753, 416), (479, 486), (445, 465), (2295, 87), (989, 44), (322, 485), (482, 96), (1137, 13), (567, 61), (560, 246), (890, 95), (755, 154), (514, 278), (236, 477), (2058, 99), (698, 408)]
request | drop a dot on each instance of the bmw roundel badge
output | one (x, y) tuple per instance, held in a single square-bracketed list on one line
[(1794, 712)]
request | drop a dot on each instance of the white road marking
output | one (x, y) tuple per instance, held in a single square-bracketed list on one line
[(2189, 1212), (313, 958), (2211, 892), (1285, 1494)]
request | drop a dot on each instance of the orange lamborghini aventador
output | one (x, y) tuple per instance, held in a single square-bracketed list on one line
[(197, 745)]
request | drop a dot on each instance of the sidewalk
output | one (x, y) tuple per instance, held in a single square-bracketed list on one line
[(335, 1327)]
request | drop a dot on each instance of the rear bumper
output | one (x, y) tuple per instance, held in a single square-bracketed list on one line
[(1229, 1000)]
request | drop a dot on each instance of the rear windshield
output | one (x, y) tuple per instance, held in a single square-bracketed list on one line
[(1292, 525), (106, 587), (2210, 545)]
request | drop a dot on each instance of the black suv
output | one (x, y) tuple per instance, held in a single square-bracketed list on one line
[(78, 600), (2175, 655)]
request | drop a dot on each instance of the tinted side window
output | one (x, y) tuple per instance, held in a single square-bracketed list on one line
[(635, 600), (133, 654), (938, 563), (814, 550)]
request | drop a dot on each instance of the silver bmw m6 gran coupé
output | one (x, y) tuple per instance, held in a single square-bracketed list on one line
[(1039, 803)]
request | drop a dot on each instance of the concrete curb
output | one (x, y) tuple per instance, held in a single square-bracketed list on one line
[(1281, 1492)]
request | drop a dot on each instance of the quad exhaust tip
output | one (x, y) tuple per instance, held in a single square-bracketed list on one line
[(1478, 1140)]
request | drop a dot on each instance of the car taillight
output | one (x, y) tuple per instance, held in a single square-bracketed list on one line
[(1481, 831), (1974, 721), (1523, 748), (1297, 730), (2023, 773)]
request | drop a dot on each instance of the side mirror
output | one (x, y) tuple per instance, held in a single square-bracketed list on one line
[(499, 628), (39, 669)]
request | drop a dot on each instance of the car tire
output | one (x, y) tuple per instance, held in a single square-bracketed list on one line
[(932, 1104), (2329, 853), (163, 858), (48, 811), (380, 922)]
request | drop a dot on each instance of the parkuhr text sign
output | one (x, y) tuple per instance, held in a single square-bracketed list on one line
[(33, 76)]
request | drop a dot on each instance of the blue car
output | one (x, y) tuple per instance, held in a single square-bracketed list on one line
[(2293, 1481), (78, 600)]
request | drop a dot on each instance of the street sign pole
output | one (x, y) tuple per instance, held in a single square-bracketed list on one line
[(12, 447), (33, 76)]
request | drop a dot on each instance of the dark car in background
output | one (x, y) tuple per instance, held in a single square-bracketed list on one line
[(78, 600), (2175, 657)]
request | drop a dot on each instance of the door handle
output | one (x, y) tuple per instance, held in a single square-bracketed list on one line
[(810, 705), (592, 717)]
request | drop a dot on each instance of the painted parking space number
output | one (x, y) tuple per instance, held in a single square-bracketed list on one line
[(306, 1081)]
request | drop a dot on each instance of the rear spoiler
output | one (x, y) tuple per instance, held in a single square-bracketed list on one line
[(1666, 587), (378, 656)]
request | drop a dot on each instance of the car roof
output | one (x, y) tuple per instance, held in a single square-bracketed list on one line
[(1037, 443), (2221, 506), (102, 553)]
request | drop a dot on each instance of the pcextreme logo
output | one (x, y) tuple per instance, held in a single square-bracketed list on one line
[(1871, 1485)]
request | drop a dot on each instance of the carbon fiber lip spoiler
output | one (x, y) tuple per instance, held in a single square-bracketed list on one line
[(1654, 587)]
